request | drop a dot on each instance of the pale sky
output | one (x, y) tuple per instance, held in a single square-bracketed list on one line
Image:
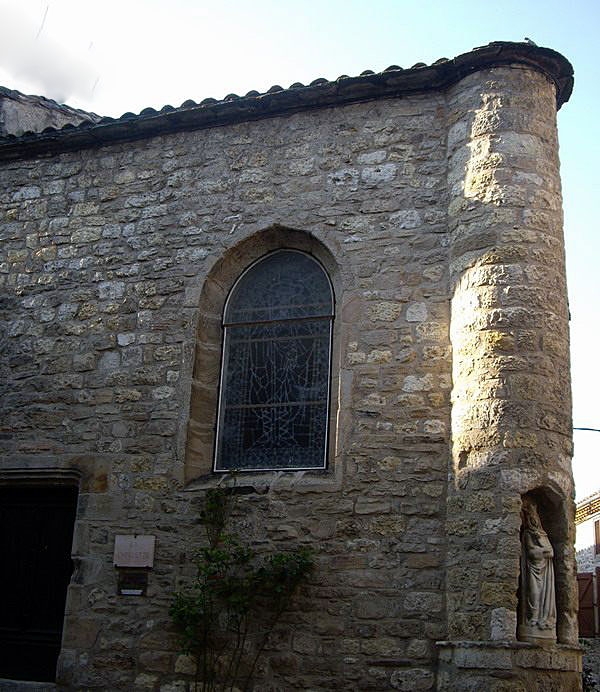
[(115, 56)]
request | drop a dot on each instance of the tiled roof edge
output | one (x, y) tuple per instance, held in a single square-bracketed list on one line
[(587, 508), (587, 500), (48, 103), (321, 93)]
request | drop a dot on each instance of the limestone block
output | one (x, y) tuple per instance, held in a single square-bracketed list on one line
[(423, 602), (385, 311), (145, 681), (176, 686), (412, 679), (503, 624), (185, 664)]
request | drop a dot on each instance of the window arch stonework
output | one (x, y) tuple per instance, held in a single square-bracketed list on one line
[(221, 279)]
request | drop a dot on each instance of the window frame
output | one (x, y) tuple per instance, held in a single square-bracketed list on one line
[(223, 364)]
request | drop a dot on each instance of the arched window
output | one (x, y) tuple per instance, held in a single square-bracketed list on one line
[(274, 395)]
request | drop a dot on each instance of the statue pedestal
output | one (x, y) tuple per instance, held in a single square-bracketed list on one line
[(508, 666), (534, 635)]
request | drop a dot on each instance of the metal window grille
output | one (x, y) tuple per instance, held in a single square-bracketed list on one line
[(274, 394)]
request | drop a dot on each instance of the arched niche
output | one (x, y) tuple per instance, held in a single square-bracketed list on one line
[(554, 512)]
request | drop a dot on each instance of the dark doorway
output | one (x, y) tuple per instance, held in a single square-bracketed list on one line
[(36, 533)]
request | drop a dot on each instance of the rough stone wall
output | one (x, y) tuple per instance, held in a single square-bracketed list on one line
[(106, 253), (591, 660), (428, 211)]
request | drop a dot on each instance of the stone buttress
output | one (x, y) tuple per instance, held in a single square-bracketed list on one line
[(511, 425)]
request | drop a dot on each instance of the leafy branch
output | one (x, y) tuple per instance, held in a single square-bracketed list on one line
[(226, 614)]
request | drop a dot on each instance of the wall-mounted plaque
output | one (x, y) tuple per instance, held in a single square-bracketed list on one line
[(134, 551)]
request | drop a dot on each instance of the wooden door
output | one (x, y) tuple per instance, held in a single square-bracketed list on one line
[(36, 533), (585, 583)]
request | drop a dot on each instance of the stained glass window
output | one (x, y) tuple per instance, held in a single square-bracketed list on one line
[(274, 398)]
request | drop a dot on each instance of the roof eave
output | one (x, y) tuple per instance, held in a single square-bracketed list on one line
[(392, 83)]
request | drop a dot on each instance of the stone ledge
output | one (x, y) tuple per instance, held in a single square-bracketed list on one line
[(510, 655), (26, 686)]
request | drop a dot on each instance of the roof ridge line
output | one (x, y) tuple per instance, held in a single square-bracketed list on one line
[(392, 82)]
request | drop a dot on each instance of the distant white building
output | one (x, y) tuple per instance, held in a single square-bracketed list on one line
[(587, 547), (587, 540)]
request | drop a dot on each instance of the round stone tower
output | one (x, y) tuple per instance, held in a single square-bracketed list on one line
[(511, 424)]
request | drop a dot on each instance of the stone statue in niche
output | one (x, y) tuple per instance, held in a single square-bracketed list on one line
[(537, 605)]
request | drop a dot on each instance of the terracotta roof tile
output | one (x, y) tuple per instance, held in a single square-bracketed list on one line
[(393, 81)]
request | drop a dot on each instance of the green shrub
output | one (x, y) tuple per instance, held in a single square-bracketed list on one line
[(226, 614)]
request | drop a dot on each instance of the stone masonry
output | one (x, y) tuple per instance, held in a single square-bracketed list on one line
[(432, 198)]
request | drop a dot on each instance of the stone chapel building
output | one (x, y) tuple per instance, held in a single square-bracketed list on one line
[(352, 293)]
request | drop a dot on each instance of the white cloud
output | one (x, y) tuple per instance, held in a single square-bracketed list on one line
[(31, 55)]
